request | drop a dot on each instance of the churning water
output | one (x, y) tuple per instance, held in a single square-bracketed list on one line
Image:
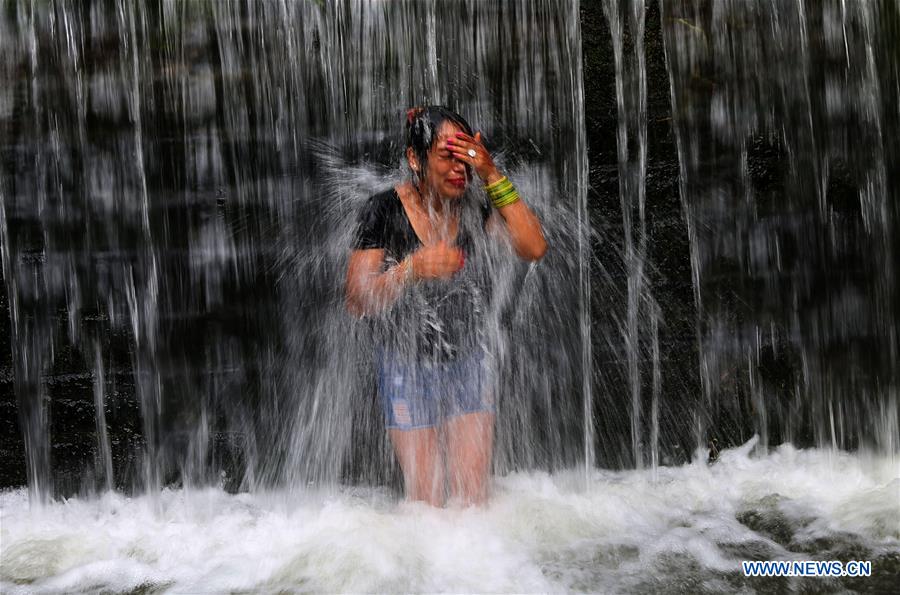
[(682, 529), (178, 195)]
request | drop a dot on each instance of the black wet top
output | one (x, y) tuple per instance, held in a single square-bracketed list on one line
[(436, 319)]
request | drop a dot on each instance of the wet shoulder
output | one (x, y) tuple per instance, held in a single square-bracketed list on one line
[(379, 221), (386, 200)]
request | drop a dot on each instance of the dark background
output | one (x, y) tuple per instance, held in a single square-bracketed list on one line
[(70, 383), (72, 422)]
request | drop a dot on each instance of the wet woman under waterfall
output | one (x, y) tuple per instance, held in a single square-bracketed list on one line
[(416, 272)]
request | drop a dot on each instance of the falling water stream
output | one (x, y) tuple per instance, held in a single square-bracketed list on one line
[(180, 183), (781, 112), (195, 179)]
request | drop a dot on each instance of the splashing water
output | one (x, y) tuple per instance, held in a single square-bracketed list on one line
[(177, 201), (628, 532), (195, 172)]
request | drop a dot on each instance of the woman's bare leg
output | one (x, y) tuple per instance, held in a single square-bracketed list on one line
[(469, 445), (419, 454)]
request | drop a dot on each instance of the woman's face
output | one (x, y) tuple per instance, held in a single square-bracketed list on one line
[(445, 174)]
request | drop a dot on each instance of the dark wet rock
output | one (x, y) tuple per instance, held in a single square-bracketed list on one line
[(585, 567), (885, 575), (749, 550), (836, 546), (766, 518)]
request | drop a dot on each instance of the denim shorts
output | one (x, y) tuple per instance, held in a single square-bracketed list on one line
[(423, 394)]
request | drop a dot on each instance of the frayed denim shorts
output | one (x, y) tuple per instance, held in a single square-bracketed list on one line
[(423, 394)]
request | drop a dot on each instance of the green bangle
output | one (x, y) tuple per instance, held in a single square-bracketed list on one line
[(507, 200), (502, 192), (496, 184), (501, 185)]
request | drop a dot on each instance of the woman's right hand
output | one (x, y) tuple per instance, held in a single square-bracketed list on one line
[(437, 261)]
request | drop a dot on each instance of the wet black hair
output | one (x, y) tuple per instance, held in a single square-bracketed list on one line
[(422, 124)]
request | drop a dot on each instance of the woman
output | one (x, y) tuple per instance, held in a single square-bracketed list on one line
[(409, 270)]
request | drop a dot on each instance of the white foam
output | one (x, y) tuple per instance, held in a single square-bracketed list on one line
[(540, 533)]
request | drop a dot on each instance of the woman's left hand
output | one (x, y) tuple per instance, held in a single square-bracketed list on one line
[(470, 151)]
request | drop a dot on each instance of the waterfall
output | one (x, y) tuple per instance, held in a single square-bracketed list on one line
[(701, 371), (781, 121), (181, 201), (631, 143)]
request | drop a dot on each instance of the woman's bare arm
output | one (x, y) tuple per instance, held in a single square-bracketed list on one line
[(369, 290), (524, 230)]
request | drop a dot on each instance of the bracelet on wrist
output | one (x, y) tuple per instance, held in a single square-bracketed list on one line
[(502, 193)]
